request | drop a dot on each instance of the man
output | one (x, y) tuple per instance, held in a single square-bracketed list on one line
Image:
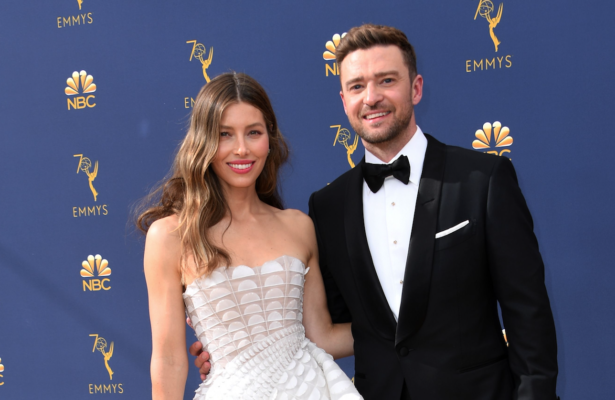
[(417, 253)]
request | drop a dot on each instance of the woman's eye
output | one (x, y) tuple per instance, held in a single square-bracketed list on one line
[(254, 133), (224, 133)]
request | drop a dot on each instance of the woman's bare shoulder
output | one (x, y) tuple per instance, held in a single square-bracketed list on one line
[(164, 228), (293, 217), (162, 240), (300, 224)]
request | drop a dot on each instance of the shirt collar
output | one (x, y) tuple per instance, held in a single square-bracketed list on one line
[(415, 151)]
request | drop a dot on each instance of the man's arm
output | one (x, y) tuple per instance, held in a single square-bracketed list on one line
[(517, 272)]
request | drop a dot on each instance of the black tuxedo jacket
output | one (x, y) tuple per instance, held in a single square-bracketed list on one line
[(447, 343)]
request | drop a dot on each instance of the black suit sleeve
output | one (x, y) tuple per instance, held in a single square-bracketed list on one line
[(517, 272), (335, 301)]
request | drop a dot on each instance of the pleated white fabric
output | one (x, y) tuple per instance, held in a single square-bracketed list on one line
[(250, 322)]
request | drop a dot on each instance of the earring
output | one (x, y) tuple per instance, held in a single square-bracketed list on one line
[(268, 151)]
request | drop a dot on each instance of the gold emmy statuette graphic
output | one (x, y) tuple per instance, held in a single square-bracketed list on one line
[(1, 370), (343, 136), (100, 344), (80, 3), (501, 138), (198, 51), (485, 8), (84, 165)]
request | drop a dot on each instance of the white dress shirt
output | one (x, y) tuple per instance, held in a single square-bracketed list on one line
[(388, 215)]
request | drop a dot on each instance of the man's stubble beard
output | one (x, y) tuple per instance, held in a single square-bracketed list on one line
[(396, 129)]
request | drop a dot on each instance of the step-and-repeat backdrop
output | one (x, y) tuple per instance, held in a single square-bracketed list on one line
[(95, 97)]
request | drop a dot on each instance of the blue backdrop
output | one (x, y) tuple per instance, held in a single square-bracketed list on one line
[(75, 156)]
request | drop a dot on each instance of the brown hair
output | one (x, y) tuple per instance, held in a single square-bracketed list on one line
[(193, 191), (369, 35)]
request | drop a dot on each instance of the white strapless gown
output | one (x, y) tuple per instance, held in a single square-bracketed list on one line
[(250, 322)]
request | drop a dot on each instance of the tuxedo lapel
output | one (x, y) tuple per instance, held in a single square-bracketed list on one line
[(366, 279), (417, 277)]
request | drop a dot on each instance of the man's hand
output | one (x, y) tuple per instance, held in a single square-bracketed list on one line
[(202, 359)]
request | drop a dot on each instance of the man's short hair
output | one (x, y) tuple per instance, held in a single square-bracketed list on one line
[(368, 35)]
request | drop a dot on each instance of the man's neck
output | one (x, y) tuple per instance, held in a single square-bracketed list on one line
[(385, 151)]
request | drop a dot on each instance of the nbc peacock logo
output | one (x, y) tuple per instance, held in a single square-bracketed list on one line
[(492, 138), (329, 54), (1, 370), (93, 269), (80, 83)]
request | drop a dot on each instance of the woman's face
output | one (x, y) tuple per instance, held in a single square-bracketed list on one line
[(244, 146)]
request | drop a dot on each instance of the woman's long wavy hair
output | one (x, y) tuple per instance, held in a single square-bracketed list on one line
[(193, 191)]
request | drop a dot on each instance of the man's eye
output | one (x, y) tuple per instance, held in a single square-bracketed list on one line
[(355, 87), (387, 80)]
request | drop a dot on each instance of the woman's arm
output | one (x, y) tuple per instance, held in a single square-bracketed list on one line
[(169, 364), (335, 339)]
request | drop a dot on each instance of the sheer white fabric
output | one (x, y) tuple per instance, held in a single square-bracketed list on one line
[(250, 321)]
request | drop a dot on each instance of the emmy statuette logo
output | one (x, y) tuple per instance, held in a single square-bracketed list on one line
[(1, 370), (329, 54), (85, 166), (491, 136), (486, 10), (80, 83), (100, 345), (75, 20), (199, 52), (343, 137), (94, 268)]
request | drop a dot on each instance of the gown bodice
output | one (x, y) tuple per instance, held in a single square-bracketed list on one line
[(250, 322)]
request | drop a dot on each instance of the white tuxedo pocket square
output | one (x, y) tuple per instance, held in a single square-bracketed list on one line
[(451, 230)]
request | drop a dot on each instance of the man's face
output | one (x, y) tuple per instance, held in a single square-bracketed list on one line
[(378, 93)]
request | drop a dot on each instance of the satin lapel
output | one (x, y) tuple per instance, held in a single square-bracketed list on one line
[(365, 277), (417, 277)]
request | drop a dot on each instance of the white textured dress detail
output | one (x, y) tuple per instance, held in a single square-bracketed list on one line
[(250, 322)]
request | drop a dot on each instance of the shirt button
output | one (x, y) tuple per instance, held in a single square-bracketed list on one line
[(394, 241), (393, 203), (401, 281)]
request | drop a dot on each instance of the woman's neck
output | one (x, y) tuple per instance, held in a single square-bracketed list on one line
[(242, 202)]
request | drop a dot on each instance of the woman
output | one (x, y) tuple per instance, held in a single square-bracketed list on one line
[(219, 244)]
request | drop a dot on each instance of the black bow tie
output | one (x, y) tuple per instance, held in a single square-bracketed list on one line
[(374, 174)]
